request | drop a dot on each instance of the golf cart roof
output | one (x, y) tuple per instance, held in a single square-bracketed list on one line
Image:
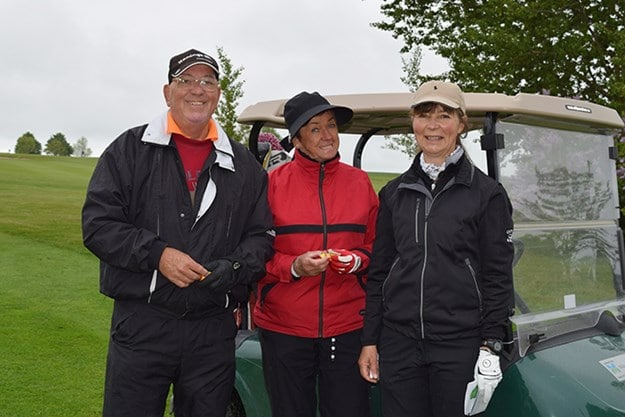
[(387, 113)]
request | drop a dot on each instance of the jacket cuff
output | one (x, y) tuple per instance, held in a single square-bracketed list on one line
[(364, 259), (294, 274), (154, 257)]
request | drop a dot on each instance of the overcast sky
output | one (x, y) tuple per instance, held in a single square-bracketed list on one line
[(95, 68)]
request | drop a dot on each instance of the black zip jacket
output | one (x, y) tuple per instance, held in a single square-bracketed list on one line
[(441, 266), (138, 203)]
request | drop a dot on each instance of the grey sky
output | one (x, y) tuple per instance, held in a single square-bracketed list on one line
[(95, 68)]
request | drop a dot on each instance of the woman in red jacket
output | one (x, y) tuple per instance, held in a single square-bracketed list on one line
[(310, 303)]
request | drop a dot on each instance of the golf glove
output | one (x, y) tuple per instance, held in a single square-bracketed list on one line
[(344, 261), (223, 275), (487, 376)]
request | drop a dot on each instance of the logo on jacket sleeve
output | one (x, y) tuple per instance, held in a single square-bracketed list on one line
[(509, 235)]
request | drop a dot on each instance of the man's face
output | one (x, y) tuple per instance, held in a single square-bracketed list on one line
[(319, 138), (191, 104)]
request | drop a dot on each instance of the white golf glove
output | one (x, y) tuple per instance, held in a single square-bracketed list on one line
[(487, 376)]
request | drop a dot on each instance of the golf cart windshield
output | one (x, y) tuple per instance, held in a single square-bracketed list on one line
[(563, 188)]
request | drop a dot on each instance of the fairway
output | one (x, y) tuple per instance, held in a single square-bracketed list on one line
[(54, 330), (54, 322)]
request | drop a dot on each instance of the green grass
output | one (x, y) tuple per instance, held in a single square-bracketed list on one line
[(379, 179), (54, 322), (542, 278), (54, 330)]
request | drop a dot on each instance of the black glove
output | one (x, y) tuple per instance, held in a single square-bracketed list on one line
[(223, 275)]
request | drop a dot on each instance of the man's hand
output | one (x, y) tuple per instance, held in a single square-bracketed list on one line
[(344, 261), (368, 364), (222, 275), (180, 268)]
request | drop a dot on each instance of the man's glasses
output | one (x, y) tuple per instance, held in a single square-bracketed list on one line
[(206, 84)]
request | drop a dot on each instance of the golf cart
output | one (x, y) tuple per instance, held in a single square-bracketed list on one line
[(556, 158)]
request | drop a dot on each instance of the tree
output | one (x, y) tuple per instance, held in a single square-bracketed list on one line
[(571, 49), (568, 49), (411, 67), (81, 148), (57, 145), (231, 92), (28, 144)]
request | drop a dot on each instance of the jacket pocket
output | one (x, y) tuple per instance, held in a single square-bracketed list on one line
[(264, 292), (387, 280), (473, 276), (416, 221)]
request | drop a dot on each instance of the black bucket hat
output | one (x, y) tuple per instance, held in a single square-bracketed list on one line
[(299, 109)]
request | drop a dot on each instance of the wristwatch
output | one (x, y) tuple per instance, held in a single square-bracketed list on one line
[(494, 345)]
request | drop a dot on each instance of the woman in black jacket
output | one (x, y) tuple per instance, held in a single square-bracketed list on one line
[(440, 280)]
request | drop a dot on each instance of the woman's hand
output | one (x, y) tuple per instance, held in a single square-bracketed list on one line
[(368, 363), (311, 263)]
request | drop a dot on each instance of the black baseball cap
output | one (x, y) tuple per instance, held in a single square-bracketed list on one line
[(182, 62)]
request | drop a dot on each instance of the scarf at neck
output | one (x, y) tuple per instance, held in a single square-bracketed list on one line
[(433, 170)]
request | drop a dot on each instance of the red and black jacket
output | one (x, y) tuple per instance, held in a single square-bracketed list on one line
[(316, 206)]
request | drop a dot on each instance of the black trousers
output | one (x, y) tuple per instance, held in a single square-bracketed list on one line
[(424, 378), (149, 350), (303, 373)]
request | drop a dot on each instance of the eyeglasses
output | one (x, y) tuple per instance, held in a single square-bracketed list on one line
[(206, 84)]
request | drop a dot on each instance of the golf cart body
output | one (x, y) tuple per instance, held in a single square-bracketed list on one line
[(556, 158)]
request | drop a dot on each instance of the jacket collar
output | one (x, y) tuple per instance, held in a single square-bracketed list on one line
[(156, 133), (464, 173), (307, 164)]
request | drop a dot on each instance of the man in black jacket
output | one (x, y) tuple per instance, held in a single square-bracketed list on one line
[(177, 213)]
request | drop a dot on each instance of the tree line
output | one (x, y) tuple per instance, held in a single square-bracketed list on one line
[(226, 114), (57, 145)]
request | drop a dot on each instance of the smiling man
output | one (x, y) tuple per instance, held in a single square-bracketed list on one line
[(178, 215)]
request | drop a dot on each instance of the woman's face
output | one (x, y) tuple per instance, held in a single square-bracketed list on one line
[(319, 137), (436, 131)]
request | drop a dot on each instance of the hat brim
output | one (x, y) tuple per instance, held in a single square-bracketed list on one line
[(342, 115), (437, 99)]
